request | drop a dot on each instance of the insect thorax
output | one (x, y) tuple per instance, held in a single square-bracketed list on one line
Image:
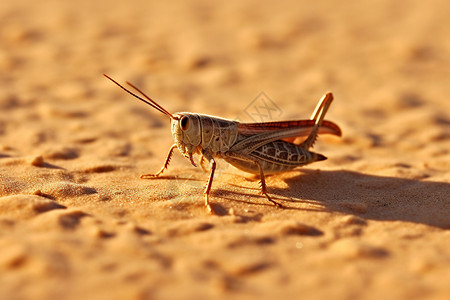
[(218, 134)]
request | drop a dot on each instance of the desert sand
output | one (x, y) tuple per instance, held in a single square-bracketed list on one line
[(77, 222)]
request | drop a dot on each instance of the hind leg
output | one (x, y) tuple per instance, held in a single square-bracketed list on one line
[(318, 115), (244, 157)]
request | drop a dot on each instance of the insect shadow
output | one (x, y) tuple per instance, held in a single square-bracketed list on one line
[(368, 196), (371, 197)]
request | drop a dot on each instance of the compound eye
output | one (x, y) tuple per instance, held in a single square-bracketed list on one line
[(184, 123)]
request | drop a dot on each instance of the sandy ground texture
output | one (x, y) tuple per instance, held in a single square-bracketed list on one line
[(76, 222)]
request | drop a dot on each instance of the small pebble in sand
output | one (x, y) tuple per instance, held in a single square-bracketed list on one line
[(38, 193), (37, 161)]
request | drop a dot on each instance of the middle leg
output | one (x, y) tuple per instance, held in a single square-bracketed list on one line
[(246, 158), (263, 185)]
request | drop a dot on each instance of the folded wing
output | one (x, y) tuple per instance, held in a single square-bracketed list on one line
[(297, 128)]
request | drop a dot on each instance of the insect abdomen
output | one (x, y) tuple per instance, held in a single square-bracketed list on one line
[(276, 157)]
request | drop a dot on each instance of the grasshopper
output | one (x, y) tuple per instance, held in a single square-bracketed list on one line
[(257, 148)]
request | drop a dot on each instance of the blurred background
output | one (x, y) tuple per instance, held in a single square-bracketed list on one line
[(72, 138), (386, 62)]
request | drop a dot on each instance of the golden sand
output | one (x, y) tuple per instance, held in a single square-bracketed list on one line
[(76, 222)]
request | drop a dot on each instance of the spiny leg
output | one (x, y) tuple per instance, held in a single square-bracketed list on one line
[(191, 159), (263, 185), (208, 186), (318, 115), (166, 164)]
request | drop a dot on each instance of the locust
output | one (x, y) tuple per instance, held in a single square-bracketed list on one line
[(263, 148)]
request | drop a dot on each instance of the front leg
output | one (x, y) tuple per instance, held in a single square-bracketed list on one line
[(166, 164), (208, 186)]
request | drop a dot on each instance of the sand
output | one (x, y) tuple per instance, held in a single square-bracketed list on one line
[(77, 222)]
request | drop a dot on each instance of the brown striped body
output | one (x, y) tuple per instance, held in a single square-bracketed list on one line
[(221, 138)]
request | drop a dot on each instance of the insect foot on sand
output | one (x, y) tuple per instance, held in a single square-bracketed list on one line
[(258, 148)]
